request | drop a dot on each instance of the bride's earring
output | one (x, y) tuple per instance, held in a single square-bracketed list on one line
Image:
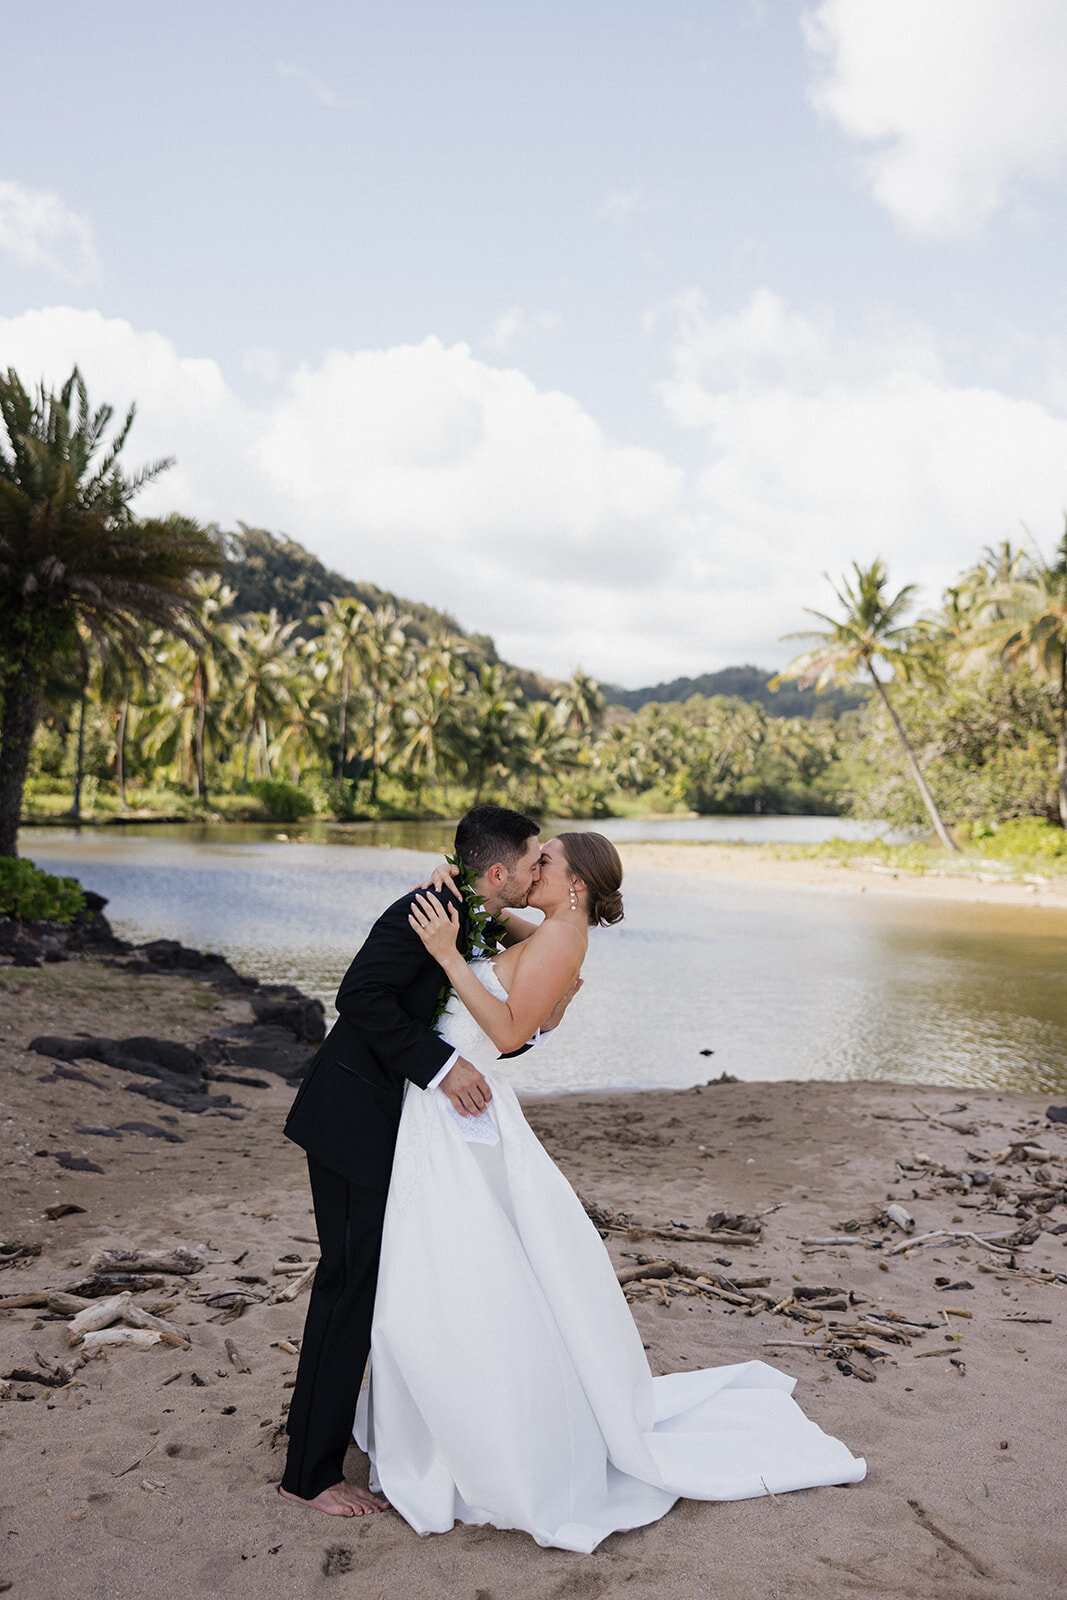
[(574, 899)]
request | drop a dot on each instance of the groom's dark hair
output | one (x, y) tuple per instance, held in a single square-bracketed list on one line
[(488, 834)]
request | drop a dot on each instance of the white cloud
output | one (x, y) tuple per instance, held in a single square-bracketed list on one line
[(964, 100), (418, 467), (38, 230), (450, 480), (316, 88), (825, 447), (516, 331), (620, 204)]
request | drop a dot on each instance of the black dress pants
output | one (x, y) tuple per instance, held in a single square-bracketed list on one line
[(336, 1342)]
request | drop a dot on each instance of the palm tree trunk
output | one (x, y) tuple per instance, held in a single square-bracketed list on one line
[(120, 750), (342, 732), (1061, 739), (200, 690), (928, 800), (248, 751), (22, 709), (79, 763)]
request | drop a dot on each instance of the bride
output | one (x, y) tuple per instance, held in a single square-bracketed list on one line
[(508, 1382)]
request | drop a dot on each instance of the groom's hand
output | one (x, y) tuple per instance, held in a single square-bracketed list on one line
[(556, 1015), (467, 1089)]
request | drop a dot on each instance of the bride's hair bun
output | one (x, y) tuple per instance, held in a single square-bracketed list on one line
[(596, 861), (606, 910)]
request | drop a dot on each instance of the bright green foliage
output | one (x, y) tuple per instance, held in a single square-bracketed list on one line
[(1022, 837), (285, 802), (30, 895)]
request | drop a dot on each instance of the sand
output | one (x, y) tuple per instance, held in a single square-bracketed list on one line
[(153, 1474), (760, 864)]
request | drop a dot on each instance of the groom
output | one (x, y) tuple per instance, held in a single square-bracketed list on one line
[(346, 1116)]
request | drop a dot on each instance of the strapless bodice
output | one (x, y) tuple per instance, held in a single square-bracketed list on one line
[(459, 1029)]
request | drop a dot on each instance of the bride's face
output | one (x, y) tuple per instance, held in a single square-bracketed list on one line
[(554, 879)]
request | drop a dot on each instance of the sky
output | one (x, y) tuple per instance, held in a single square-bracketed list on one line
[(611, 328)]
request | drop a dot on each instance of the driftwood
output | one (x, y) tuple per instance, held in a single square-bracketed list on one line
[(653, 1269), (134, 1317), (120, 1259), (67, 1305), (968, 1128), (294, 1287), (102, 1284), (291, 1268), (97, 1314), (903, 1219), (994, 1243), (138, 1338)]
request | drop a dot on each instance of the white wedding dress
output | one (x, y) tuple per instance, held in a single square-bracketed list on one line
[(508, 1382)]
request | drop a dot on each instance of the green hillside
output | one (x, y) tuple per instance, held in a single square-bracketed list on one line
[(740, 683)]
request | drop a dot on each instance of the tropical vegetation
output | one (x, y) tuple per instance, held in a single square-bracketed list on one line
[(150, 666)]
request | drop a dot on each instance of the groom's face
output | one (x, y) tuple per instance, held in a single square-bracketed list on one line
[(523, 875)]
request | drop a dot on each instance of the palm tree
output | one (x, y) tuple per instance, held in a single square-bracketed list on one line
[(71, 550), (343, 646), (426, 724), (493, 714), (1029, 602), (581, 700), (264, 651), (303, 735), (547, 748), (869, 630), (381, 649)]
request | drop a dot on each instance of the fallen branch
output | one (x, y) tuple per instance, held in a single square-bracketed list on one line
[(97, 1314), (138, 1338), (181, 1261), (295, 1287)]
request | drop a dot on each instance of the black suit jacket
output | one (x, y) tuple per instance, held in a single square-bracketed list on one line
[(347, 1109)]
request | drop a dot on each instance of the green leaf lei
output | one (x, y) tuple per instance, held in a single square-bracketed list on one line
[(483, 931)]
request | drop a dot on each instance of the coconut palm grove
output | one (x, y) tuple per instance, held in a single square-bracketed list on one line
[(153, 667)]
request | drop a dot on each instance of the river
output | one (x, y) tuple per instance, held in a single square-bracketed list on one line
[(774, 983)]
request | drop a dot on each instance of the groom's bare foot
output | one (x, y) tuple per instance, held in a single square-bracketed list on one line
[(342, 1499)]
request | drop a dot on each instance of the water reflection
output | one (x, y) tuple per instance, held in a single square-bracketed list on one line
[(778, 984)]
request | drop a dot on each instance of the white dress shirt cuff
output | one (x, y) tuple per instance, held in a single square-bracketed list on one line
[(434, 1083)]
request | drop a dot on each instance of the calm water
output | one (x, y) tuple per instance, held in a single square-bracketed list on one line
[(779, 984)]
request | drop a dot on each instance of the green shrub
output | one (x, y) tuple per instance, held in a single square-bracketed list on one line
[(1021, 836), (30, 895), (285, 802)]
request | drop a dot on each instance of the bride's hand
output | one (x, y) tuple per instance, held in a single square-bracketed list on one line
[(437, 928), (442, 877)]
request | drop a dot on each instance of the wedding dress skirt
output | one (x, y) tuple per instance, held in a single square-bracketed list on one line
[(508, 1382)]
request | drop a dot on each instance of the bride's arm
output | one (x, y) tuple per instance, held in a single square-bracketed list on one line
[(549, 964)]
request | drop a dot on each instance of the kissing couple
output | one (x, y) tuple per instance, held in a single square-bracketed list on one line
[(508, 1382)]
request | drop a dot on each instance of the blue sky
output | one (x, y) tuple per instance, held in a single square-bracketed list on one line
[(608, 327)]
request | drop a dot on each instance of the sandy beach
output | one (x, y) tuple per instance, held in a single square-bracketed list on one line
[(152, 1472), (762, 864)]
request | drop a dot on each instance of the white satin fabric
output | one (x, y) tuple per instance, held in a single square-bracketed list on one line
[(508, 1383)]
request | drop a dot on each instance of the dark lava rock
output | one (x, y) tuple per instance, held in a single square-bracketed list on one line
[(101, 1133), (262, 1046), (17, 948), (73, 1163), (151, 1130), (288, 1008), (72, 1073), (148, 1056), (180, 1097)]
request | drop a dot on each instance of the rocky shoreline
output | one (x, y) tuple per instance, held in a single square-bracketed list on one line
[(286, 1024)]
